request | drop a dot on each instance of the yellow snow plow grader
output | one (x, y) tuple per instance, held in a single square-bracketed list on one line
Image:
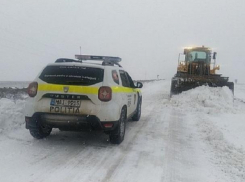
[(197, 67)]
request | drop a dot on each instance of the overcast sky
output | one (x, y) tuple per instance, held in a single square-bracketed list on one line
[(146, 34)]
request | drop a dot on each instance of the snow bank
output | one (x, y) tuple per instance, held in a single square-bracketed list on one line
[(205, 99), (13, 93), (218, 117), (226, 154), (11, 114)]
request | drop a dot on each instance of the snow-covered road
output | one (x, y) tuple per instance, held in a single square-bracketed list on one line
[(196, 136)]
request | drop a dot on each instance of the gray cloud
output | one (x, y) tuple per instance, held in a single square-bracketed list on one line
[(148, 35)]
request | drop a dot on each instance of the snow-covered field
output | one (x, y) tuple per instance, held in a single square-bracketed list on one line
[(198, 135)]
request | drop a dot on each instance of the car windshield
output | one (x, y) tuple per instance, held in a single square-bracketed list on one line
[(197, 56), (72, 75)]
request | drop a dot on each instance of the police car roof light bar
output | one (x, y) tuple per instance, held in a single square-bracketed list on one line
[(107, 61), (99, 58)]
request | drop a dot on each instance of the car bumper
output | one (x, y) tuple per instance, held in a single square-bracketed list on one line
[(69, 122), (105, 113)]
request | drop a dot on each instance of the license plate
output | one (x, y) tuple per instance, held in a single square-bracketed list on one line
[(63, 102)]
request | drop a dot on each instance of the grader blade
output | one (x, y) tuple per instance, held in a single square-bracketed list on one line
[(179, 85)]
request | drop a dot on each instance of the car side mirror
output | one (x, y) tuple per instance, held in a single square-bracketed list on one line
[(139, 85)]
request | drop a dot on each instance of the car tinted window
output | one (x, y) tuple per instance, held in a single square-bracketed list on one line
[(124, 79), (131, 82), (115, 76), (72, 75)]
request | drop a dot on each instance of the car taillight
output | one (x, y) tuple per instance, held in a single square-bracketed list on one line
[(105, 94), (32, 89), (108, 125)]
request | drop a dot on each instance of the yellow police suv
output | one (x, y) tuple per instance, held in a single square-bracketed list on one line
[(86, 93)]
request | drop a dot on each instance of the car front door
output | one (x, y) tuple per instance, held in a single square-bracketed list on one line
[(127, 92), (134, 94)]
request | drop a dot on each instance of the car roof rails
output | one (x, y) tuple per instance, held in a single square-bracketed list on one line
[(107, 60)]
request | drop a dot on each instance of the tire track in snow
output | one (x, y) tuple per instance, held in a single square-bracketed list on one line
[(63, 157), (184, 159), (173, 149), (128, 147)]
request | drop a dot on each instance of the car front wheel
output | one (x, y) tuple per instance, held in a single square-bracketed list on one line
[(137, 115)]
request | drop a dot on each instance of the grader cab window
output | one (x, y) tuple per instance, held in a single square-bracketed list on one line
[(197, 56)]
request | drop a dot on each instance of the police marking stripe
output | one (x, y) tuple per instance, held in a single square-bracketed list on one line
[(76, 89), (82, 89), (122, 90)]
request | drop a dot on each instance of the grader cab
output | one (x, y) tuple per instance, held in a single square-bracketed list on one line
[(197, 67)]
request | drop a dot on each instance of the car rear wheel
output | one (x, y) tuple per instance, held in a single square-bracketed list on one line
[(40, 132), (117, 136)]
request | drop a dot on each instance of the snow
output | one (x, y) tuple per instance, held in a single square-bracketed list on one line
[(205, 99), (14, 84), (239, 92), (233, 127), (12, 114), (220, 120), (195, 136)]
